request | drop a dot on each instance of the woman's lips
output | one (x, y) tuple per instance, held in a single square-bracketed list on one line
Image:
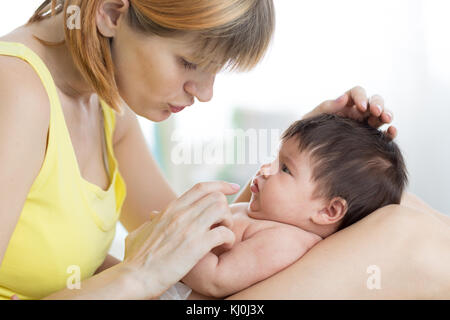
[(176, 109)]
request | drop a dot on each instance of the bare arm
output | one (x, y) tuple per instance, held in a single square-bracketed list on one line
[(24, 120), (412, 201), (147, 189), (109, 262), (257, 258), (406, 245)]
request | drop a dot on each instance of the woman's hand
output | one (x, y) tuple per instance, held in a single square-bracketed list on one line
[(164, 249), (354, 104)]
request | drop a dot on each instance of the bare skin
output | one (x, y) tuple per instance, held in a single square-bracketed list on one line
[(148, 190), (412, 268)]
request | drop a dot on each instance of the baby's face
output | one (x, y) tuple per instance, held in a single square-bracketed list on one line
[(282, 190)]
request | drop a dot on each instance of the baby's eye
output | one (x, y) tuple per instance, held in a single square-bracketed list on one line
[(285, 169)]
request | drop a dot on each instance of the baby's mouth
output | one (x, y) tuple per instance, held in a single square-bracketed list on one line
[(254, 186)]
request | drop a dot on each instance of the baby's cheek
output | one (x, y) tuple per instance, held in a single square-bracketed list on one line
[(271, 203)]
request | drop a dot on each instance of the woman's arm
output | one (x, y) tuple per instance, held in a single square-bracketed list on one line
[(24, 121), (116, 283), (162, 250), (410, 200), (109, 262), (399, 249), (147, 189)]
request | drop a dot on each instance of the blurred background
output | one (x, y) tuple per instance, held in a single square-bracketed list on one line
[(398, 49)]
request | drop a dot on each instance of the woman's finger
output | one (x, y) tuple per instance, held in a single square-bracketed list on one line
[(216, 213), (154, 214), (376, 105), (358, 97), (377, 121), (202, 189), (391, 132), (356, 114), (331, 106), (387, 116), (374, 121), (217, 200), (378, 109)]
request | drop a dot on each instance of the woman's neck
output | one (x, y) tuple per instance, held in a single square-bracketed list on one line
[(58, 58)]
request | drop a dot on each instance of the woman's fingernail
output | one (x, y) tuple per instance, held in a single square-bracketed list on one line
[(235, 186), (340, 98), (379, 108), (364, 105), (389, 115)]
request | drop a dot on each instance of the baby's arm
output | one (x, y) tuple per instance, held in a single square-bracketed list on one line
[(267, 252)]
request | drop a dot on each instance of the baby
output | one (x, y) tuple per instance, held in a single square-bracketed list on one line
[(330, 172)]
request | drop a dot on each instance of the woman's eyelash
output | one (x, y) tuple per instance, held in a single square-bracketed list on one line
[(188, 65)]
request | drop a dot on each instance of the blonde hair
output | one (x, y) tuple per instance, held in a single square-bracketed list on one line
[(232, 34)]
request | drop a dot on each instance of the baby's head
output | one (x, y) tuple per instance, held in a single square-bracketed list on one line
[(330, 173)]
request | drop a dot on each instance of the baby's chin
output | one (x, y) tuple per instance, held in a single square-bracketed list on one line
[(254, 207), (253, 204)]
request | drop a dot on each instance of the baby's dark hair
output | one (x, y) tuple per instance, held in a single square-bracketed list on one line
[(353, 161)]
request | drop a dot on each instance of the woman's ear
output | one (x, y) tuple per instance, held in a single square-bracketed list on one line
[(109, 15), (334, 211)]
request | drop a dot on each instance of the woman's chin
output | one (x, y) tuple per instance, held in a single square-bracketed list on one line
[(156, 115), (161, 116)]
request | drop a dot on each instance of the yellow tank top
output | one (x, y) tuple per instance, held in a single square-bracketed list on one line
[(67, 224)]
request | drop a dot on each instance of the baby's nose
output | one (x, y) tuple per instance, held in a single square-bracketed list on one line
[(268, 169)]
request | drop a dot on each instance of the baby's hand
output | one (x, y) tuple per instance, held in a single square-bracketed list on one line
[(221, 249), (224, 247)]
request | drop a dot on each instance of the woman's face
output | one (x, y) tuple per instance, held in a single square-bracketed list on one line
[(155, 73)]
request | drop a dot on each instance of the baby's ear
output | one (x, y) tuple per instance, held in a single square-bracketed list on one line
[(334, 211)]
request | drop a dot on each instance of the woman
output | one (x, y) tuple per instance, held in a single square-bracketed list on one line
[(62, 192)]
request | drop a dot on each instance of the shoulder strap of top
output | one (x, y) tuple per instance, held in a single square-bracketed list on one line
[(58, 133), (21, 51), (109, 117)]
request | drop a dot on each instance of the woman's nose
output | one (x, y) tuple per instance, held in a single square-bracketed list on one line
[(203, 89)]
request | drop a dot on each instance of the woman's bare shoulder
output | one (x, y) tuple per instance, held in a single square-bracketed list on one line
[(17, 74), (22, 92)]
